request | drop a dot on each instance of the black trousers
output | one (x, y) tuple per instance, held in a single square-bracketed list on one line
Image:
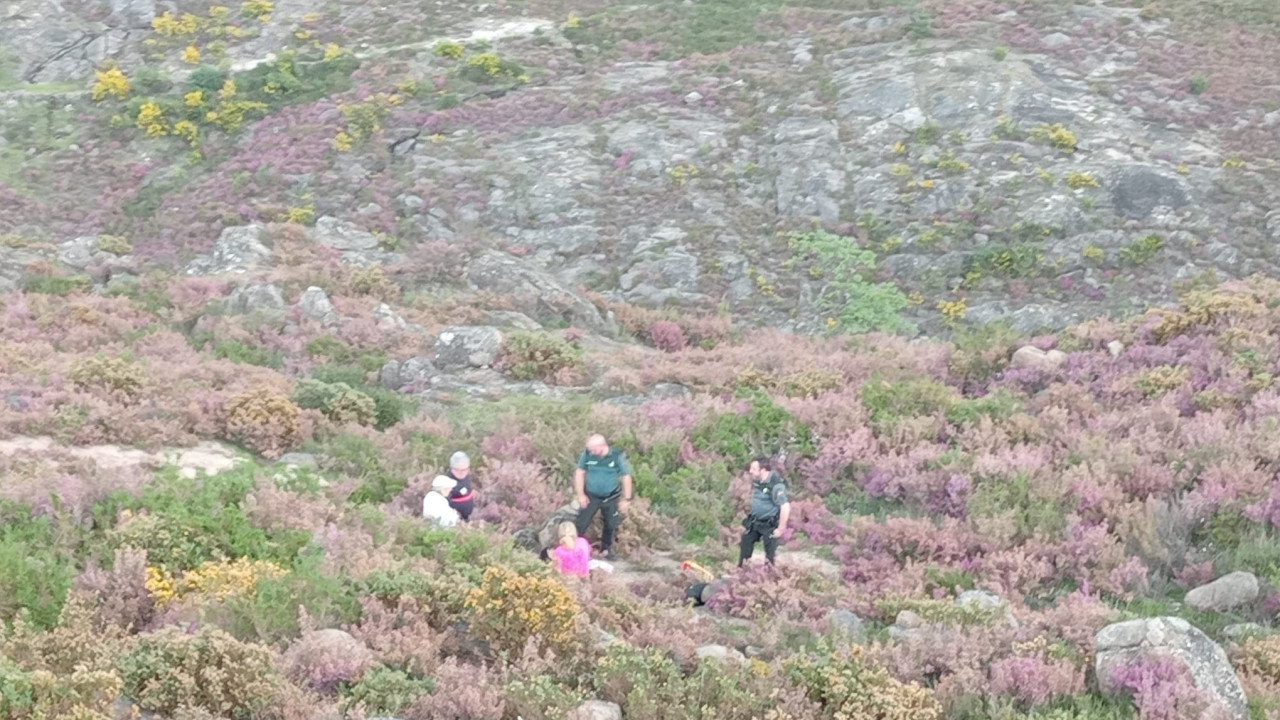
[(757, 530), (610, 515)]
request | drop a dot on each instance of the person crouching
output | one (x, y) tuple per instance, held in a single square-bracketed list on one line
[(435, 506)]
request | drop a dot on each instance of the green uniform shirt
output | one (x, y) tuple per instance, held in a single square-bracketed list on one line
[(768, 497), (604, 474)]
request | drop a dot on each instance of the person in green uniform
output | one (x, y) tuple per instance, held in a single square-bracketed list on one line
[(602, 483), (770, 510)]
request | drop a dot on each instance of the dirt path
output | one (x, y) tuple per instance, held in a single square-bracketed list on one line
[(208, 458)]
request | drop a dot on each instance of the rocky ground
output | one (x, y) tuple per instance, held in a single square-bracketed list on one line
[(1035, 163)]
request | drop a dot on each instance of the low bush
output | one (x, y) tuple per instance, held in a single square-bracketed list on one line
[(111, 374), (385, 691), (171, 670), (264, 421), (510, 609), (338, 401), (540, 356), (851, 685)]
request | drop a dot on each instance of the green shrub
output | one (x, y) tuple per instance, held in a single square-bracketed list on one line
[(246, 354), (191, 520), (113, 244), (852, 302), (850, 684), (541, 356), (1142, 250), (1033, 516), (765, 429), (982, 351), (33, 573), (41, 695), (385, 691), (111, 374), (694, 495), (647, 683), (509, 608), (333, 374), (170, 670), (264, 421), (270, 614), (207, 79), (999, 405), (338, 401), (888, 402), (1198, 84), (55, 285)]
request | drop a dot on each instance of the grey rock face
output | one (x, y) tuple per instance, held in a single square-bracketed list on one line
[(720, 653), (846, 623), (237, 250), (534, 288), (388, 319), (1030, 356), (1227, 592), (1207, 662), (1137, 190), (254, 298), (596, 710), (315, 304), (980, 599), (134, 13), (414, 373), (341, 235), (474, 346)]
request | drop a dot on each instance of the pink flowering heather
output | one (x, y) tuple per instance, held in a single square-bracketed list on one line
[(1162, 688)]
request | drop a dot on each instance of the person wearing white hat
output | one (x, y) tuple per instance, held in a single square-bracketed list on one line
[(435, 506)]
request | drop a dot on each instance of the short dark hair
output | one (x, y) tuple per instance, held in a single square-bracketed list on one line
[(763, 460)]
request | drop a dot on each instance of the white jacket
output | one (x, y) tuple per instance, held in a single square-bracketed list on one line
[(435, 507)]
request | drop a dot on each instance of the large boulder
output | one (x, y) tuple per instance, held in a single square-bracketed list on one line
[(315, 304), (237, 250), (343, 236), (533, 288), (596, 710), (1030, 356), (1227, 592), (1136, 190), (1212, 673), (720, 653), (415, 372), (474, 346), (254, 298), (843, 622)]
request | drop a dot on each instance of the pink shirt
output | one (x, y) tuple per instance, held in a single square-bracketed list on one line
[(575, 560)]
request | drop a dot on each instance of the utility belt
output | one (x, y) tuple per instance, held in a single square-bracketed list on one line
[(761, 525)]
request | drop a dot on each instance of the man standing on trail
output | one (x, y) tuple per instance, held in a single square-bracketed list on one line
[(770, 510), (602, 482)]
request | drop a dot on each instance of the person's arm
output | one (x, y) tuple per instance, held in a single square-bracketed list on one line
[(626, 482), (784, 514), (579, 482), (784, 508)]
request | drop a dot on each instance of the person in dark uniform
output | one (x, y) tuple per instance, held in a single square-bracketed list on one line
[(462, 498), (602, 483), (770, 510)]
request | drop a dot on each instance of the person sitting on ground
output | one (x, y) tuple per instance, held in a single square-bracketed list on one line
[(770, 510), (573, 554), (435, 506), (462, 497), (602, 483)]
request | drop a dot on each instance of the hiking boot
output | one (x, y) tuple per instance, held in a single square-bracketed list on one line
[(609, 555)]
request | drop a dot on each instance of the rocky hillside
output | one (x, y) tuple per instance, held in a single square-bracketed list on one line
[(1034, 161)]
